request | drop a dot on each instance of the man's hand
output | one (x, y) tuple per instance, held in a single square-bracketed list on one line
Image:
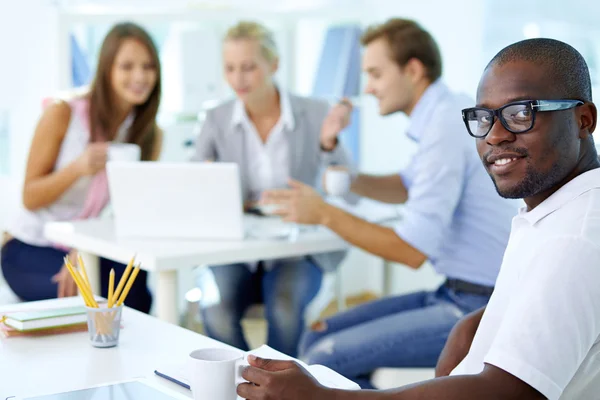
[(458, 343), (279, 380), (300, 204), (337, 119), (66, 286)]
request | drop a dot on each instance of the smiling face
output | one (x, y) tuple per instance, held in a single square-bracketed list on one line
[(391, 85), (134, 73), (536, 162)]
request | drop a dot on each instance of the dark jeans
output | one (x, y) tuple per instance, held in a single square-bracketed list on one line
[(397, 332), (286, 290), (28, 270)]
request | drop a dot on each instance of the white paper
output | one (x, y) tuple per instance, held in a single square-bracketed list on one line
[(326, 376)]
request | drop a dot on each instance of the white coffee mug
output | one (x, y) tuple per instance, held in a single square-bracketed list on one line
[(338, 182), (215, 373), (124, 152)]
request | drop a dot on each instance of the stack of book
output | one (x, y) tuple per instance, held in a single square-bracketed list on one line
[(44, 322)]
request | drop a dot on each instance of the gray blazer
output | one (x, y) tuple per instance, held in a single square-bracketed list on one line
[(222, 141)]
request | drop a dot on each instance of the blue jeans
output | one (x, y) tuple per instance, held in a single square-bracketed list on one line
[(28, 270), (404, 331), (286, 290)]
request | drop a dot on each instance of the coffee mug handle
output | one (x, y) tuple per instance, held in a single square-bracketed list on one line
[(240, 365)]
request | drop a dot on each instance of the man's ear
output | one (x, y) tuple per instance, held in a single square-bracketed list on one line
[(415, 69), (588, 115)]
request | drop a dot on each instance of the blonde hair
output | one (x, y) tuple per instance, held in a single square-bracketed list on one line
[(255, 31)]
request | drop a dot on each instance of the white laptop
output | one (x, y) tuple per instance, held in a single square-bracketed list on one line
[(176, 200)]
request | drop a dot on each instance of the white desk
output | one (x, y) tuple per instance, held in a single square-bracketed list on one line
[(36, 366), (96, 238)]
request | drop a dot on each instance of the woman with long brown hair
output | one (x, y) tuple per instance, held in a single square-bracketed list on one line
[(66, 178)]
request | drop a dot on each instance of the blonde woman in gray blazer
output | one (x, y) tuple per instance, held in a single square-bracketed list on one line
[(274, 136)]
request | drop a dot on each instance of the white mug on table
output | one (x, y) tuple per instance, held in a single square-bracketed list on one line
[(215, 373)]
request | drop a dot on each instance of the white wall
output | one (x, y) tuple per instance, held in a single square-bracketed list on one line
[(28, 72)]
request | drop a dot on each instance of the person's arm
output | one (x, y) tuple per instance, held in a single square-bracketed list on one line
[(375, 239), (459, 342), (383, 188), (302, 204), (334, 121), (205, 142), (334, 154), (287, 380), (491, 384), (43, 186), (434, 183)]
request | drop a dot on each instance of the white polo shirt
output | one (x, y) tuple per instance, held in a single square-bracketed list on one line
[(542, 323)]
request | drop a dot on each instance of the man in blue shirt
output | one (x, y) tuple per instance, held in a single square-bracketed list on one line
[(452, 217)]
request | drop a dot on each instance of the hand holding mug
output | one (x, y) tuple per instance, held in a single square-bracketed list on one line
[(93, 159)]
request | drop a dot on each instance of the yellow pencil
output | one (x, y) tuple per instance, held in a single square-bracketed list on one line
[(122, 282), (84, 272), (85, 287), (82, 290), (111, 286), (70, 268), (128, 287)]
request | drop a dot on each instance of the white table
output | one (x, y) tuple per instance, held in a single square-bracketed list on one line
[(96, 238), (41, 365), (52, 364)]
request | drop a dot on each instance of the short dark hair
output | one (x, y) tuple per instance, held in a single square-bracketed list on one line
[(567, 69), (407, 39)]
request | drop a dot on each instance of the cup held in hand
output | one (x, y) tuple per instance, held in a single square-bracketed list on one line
[(215, 373), (124, 152), (338, 182)]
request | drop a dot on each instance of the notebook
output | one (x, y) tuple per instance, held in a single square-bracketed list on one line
[(44, 319), (9, 332), (326, 376)]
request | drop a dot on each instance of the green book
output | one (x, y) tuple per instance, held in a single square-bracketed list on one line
[(58, 317)]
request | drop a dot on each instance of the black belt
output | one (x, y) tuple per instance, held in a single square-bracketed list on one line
[(468, 287)]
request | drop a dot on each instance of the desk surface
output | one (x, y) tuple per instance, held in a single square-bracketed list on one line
[(98, 237), (34, 366)]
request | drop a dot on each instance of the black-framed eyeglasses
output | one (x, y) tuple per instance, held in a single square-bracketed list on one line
[(516, 117)]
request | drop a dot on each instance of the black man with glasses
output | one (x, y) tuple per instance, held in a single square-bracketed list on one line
[(539, 335)]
